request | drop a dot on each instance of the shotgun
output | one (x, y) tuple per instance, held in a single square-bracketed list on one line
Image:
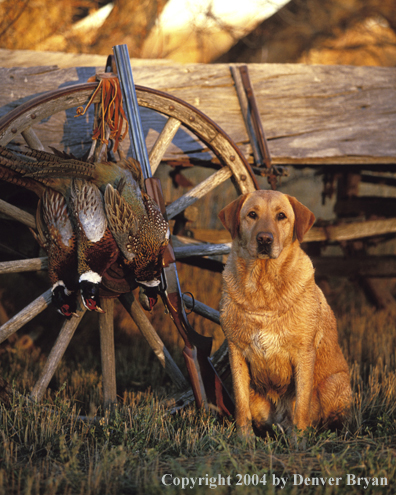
[(206, 384)]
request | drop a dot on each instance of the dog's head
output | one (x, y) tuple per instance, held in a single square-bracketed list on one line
[(266, 221)]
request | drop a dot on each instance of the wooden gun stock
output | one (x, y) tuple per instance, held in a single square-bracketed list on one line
[(206, 384)]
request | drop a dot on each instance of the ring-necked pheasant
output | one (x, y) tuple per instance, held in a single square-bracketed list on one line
[(56, 235), (97, 249), (134, 219)]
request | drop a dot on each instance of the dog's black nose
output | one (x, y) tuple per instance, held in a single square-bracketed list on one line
[(265, 239)]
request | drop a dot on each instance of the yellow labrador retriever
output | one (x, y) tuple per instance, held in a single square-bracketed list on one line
[(286, 363)]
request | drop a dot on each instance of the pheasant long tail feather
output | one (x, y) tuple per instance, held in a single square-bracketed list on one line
[(48, 167), (41, 158), (66, 168), (14, 177)]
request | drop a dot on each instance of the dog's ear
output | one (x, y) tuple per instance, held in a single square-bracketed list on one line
[(229, 215), (304, 218)]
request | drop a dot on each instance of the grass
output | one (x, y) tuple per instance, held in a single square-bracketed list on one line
[(140, 448)]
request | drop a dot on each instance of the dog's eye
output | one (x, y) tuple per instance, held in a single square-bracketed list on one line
[(281, 216), (252, 214)]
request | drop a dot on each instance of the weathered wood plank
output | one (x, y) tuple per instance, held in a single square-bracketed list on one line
[(332, 233), (350, 231), (25, 315), (107, 353), (17, 266), (17, 214), (366, 266), (32, 140), (311, 114), (201, 309), (58, 350), (163, 142), (203, 249)]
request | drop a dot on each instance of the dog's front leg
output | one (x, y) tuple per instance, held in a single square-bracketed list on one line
[(304, 384), (241, 384)]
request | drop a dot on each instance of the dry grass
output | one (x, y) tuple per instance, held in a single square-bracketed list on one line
[(45, 449)]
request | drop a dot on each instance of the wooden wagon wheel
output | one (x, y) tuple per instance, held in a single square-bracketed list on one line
[(22, 121)]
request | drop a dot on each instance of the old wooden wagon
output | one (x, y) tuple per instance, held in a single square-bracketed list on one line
[(329, 131)]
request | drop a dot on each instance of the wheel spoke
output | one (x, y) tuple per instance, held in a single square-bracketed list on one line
[(107, 352), (154, 341), (17, 214), (162, 143), (18, 266), (56, 354), (27, 314), (32, 140), (198, 191), (202, 309), (201, 249)]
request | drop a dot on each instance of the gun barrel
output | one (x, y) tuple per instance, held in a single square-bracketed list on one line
[(131, 108)]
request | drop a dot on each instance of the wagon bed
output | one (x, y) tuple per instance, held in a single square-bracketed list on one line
[(312, 115), (336, 120)]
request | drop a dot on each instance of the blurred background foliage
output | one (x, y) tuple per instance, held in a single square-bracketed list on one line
[(357, 32)]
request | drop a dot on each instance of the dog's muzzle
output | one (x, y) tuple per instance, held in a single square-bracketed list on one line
[(264, 242)]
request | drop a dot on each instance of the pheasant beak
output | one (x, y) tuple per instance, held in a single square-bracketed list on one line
[(152, 302), (66, 311), (148, 297), (64, 300), (90, 295), (92, 305)]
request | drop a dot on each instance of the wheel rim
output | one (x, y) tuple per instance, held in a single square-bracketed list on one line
[(22, 121)]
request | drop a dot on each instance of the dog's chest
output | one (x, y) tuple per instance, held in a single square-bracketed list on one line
[(269, 363), (264, 343)]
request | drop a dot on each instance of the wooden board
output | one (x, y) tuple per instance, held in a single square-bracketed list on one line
[(311, 114)]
